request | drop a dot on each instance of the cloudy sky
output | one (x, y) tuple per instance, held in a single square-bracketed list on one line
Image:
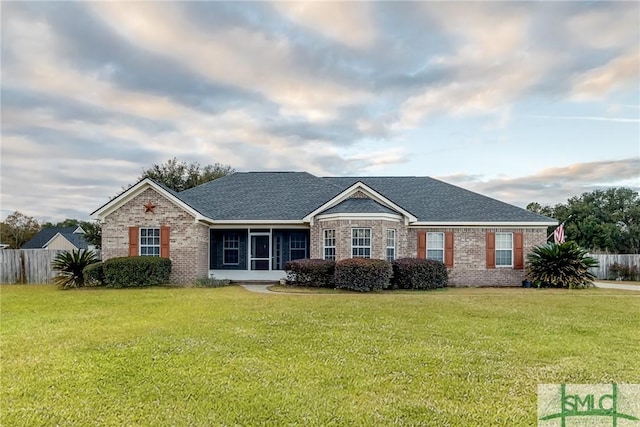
[(519, 101)]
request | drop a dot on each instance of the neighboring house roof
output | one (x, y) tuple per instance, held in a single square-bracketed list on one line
[(298, 196), (43, 236), (75, 235), (76, 240)]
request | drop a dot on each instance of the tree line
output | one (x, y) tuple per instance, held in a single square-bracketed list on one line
[(600, 221)]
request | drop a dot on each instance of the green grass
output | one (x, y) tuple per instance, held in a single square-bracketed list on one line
[(167, 356)]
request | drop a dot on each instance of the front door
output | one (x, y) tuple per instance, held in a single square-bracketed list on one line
[(260, 255)]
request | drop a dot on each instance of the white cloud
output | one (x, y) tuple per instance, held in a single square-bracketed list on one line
[(349, 23), (605, 28), (237, 56), (492, 62), (618, 73)]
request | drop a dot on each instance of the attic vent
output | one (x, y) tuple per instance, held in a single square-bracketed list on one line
[(359, 195)]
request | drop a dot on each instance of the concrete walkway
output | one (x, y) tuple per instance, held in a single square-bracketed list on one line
[(617, 286), (257, 288)]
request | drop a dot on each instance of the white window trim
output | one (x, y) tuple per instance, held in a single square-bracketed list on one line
[(325, 246), (394, 234), (224, 249), (140, 245), (434, 248), (363, 246), (503, 249)]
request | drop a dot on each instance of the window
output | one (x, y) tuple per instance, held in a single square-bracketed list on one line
[(435, 246), (231, 248), (391, 245), (330, 244), (504, 249), (361, 243), (297, 246), (150, 242)]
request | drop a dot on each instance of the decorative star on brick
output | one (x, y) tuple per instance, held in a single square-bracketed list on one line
[(149, 207)]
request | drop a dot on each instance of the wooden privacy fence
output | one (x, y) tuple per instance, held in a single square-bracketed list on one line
[(606, 260), (28, 265)]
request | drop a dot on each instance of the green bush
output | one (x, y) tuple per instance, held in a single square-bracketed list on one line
[(211, 282), (310, 272), (93, 274), (623, 272), (362, 274), (137, 271), (413, 273), (563, 265), (69, 265)]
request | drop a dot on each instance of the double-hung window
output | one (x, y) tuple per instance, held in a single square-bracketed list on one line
[(435, 246), (231, 248), (361, 243), (329, 244), (297, 246), (149, 241), (391, 245), (504, 249)]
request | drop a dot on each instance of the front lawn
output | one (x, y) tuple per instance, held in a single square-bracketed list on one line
[(167, 356)]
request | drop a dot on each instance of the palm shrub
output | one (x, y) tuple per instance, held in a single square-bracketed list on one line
[(563, 265), (69, 265)]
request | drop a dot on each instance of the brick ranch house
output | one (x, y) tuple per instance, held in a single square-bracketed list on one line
[(246, 226)]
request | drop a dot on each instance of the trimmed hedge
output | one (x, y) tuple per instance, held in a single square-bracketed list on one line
[(310, 272), (136, 271), (413, 273), (93, 274), (362, 274)]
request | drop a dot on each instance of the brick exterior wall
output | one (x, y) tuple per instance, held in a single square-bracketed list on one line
[(469, 255), (469, 248), (343, 237), (188, 242)]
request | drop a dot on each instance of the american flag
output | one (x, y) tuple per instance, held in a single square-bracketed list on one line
[(558, 234)]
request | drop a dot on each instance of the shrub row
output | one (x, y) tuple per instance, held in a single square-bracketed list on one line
[(94, 274), (412, 273), (129, 272), (311, 272), (363, 275)]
